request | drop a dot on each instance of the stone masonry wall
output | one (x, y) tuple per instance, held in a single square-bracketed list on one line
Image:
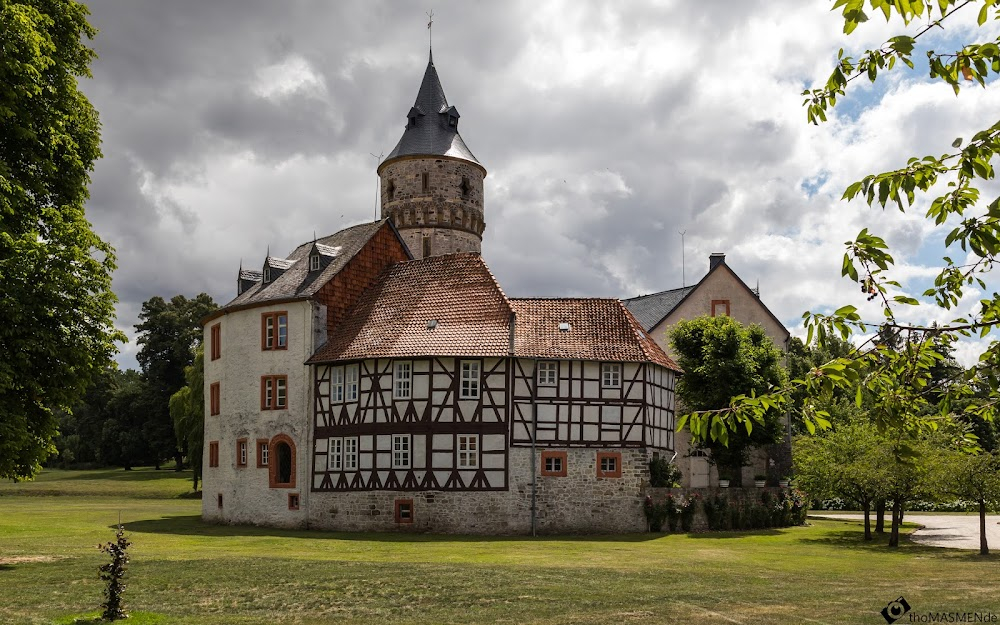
[(454, 221), (580, 502)]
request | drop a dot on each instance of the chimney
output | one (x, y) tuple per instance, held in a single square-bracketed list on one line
[(716, 259)]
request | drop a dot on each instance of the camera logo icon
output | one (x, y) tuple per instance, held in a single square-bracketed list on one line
[(895, 610)]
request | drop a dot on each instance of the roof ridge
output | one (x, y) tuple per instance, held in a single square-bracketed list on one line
[(566, 299), (680, 288)]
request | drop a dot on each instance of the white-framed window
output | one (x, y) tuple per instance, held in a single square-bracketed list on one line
[(336, 454), (336, 385), (468, 451), (400, 451), (611, 374), (351, 383), (547, 373), (470, 380), (350, 454), (402, 380), (314, 262)]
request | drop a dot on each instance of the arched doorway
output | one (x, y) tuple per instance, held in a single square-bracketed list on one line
[(282, 462)]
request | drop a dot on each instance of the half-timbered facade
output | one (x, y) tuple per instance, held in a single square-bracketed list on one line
[(443, 405)]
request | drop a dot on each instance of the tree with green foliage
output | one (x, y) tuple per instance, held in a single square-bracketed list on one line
[(723, 359), (126, 435), (850, 461), (975, 477), (169, 332), (187, 409), (56, 303), (906, 397)]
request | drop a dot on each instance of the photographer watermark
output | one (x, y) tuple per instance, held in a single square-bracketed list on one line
[(896, 610)]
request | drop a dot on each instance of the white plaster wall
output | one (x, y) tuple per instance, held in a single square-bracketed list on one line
[(247, 497)]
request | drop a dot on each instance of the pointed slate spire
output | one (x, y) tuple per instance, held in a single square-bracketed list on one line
[(432, 125)]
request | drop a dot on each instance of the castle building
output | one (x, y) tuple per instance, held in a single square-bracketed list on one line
[(380, 379)]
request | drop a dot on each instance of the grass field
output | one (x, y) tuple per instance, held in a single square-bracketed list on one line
[(190, 572)]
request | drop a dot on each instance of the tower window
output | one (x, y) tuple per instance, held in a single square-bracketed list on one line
[(465, 187), (427, 246), (390, 190), (425, 181)]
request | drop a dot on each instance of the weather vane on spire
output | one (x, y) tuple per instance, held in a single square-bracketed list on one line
[(430, 31)]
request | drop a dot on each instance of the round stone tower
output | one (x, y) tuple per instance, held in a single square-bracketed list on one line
[(432, 185)]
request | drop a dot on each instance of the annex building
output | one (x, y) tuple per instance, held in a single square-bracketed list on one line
[(379, 378)]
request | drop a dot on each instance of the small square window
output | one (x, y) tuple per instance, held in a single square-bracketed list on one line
[(547, 373), (609, 464), (720, 308), (293, 501), (611, 375), (554, 463), (404, 511)]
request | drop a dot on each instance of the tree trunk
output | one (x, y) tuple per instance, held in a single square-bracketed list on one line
[(984, 549), (880, 516), (179, 460), (897, 517), (868, 520)]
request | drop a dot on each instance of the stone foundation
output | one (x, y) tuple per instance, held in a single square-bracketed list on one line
[(580, 502)]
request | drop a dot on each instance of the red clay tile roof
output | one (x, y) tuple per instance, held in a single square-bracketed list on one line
[(599, 329), (473, 319), (390, 320)]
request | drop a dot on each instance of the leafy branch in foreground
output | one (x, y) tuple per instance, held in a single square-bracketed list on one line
[(892, 371)]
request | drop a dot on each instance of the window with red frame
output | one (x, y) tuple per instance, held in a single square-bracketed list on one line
[(216, 340), (609, 464), (273, 392), (214, 398), (274, 330), (213, 454)]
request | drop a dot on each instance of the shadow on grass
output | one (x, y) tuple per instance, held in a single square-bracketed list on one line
[(145, 474), (192, 525), (738, 533)]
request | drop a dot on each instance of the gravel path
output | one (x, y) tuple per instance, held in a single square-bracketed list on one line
[(954, 531)]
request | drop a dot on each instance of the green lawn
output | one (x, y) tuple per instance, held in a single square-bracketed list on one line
[(191, 572)]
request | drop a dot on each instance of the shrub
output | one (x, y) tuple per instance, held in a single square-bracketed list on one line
[(663, 474), (716, 512), (114, 574), (655, 513), (688, 507)]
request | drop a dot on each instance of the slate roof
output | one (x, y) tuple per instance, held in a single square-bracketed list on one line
[(432, 135), (599, 329), (651, 309), (391, 318), (296, 280)]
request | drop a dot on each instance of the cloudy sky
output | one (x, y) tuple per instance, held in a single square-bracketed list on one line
[(231, 127)]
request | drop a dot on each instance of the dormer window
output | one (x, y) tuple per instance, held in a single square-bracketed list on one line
[(452, 121), (411, 117), (267, 275), (564, 327), (314, 262)]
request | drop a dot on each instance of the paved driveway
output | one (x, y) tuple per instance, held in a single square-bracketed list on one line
[(955, 531)]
